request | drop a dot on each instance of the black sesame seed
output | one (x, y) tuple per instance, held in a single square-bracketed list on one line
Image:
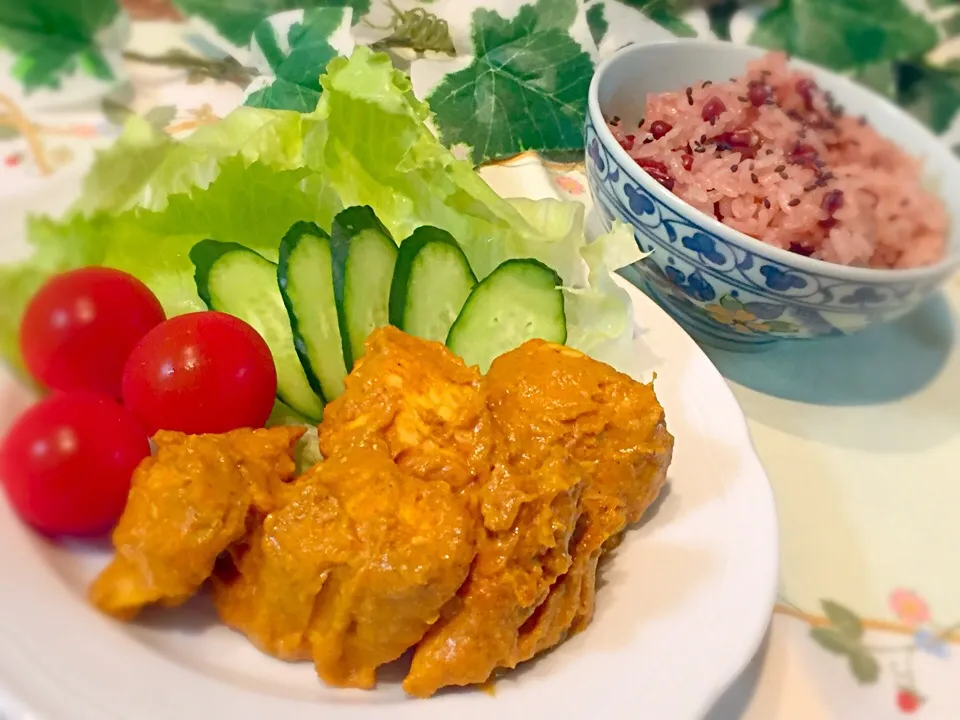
[(690, 95), (754, 178), (707, 83), (784, 176), (640, 124), (768, 151), (780, 168), (734, 168), (699, 149), (794, 202), (647, 141), (703, 139), (616, 119), (810, 187), (766, 203), (742, 99)]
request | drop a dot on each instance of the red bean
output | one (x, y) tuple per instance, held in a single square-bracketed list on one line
[(659, 128), (758, 93), (658, 171), (832, 202), (712, 109)]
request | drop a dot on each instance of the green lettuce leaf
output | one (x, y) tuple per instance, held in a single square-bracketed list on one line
[(145, 167), (247, 178), (374, 146)]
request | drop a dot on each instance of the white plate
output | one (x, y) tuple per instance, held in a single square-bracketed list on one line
[(681, 610)]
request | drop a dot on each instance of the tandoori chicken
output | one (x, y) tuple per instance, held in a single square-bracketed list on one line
[(187, 504), (556, 414), (353, 570), (458, 515)]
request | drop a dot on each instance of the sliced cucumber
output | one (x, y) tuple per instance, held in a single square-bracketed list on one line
[(364, 257), (519, 301), (305, 275), (234, 279), (431, 282)]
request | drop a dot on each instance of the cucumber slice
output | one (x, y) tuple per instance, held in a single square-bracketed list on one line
[(519, 301), (364, 257), (234, 279), (306, 279), (431, 282)]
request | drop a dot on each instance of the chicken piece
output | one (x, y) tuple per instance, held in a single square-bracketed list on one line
[(418, 402), (354, 569), (187, 504), (614, 428), (529, 514), (553, 410)]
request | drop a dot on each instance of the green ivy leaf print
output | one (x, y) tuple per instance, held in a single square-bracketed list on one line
[(845, 34), (932, 95), (297, 61), (237, 19), (556, 14), (830, 639), (881, 77), (526, 88), (51, 38), (864, 666), (721, 15), (664, 13), (597, 22), (951, 25), (843, 619)]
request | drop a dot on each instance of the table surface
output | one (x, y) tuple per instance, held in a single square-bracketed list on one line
[(857, 434)]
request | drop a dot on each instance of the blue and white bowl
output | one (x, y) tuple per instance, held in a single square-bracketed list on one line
[(725, 287)]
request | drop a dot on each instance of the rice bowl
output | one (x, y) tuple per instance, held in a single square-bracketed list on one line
[(725, 286)]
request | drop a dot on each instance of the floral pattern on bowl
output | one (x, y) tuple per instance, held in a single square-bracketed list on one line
[(723, 292)]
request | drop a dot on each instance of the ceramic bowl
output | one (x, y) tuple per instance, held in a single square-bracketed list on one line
[(725, 287)]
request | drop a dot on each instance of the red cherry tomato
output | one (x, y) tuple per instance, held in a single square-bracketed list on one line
[(80, 327), (205, 372), (66, 463)]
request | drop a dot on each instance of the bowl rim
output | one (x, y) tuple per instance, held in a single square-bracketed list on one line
[(945, 266)]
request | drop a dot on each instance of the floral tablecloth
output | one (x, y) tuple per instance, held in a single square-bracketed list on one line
[(860, 436)]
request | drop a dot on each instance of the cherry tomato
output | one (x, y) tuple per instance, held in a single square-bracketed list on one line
[(205, 372), (66, 463), (80, 327)]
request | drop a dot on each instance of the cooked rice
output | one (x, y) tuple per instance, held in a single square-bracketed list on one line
[(773, 156)]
